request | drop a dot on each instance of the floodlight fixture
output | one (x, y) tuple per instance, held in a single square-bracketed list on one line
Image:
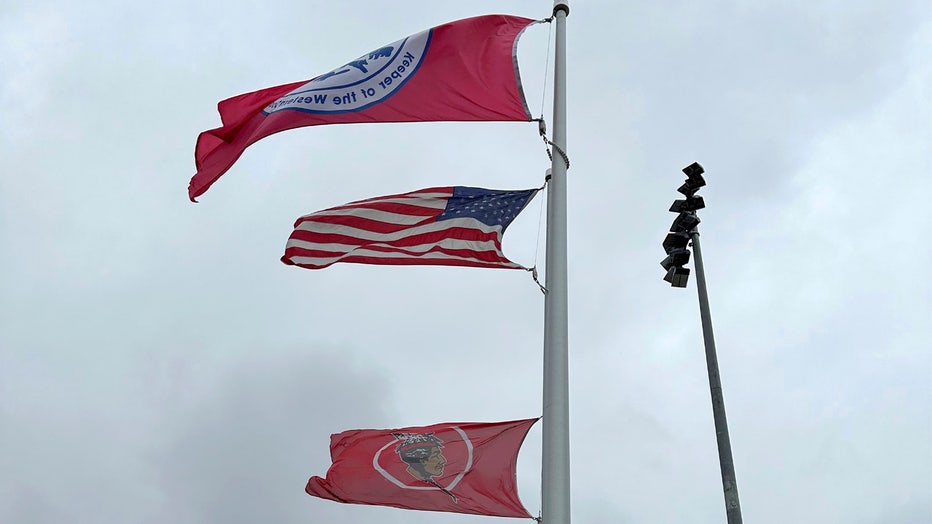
[(677, 276), (684, 222), (676, 240), (692, 203), (693, 170), (677, 257), (691, 185)]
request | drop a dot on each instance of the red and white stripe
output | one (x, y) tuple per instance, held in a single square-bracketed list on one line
[(395, 230)]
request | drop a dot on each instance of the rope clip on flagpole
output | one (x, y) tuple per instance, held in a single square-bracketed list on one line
[(542, 129), (533, 271)]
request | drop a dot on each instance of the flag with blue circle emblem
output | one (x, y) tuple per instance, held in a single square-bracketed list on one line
[(461, 71), (448, 226)]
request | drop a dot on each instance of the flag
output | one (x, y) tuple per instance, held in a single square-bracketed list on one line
[(449, 226), (460, 71), (455, 467)]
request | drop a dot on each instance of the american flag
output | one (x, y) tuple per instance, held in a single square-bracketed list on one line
[(448, 226)]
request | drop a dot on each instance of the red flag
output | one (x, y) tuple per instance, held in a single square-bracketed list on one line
[(448, 226), (460, 71), (466, 467)]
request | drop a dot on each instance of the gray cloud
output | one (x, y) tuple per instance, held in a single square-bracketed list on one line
[(159, 364)]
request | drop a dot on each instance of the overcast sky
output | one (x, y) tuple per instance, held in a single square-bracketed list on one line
[(158, 363)]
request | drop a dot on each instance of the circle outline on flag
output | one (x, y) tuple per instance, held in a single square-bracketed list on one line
[(391, 478), (419, 43)]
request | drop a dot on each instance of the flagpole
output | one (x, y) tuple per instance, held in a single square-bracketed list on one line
[(555, 463)]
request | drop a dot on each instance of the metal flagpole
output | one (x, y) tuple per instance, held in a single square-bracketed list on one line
[(555, 463), (727, 463)]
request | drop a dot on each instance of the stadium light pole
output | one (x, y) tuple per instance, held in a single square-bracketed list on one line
[(675, 244)]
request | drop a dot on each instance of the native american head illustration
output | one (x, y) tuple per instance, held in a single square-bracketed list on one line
[(422, 453)]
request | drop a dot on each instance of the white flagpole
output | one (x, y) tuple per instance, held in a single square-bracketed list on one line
[(555, 468)]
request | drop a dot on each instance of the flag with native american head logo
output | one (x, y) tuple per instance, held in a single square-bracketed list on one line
[(466, 467)]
